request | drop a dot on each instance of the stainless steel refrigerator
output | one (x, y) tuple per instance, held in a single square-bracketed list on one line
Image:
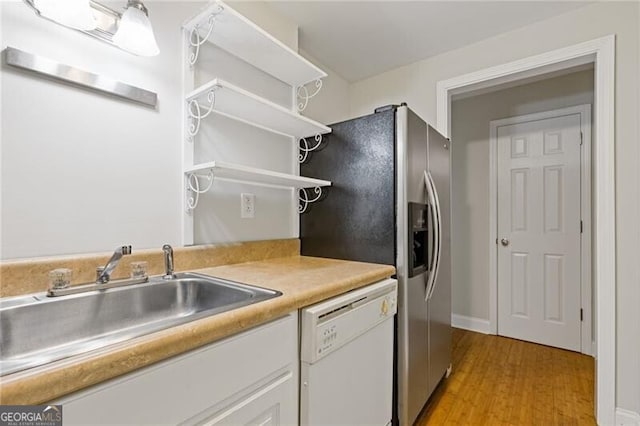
[(390, 203)]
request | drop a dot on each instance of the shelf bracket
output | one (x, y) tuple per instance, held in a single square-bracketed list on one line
[(193, 187), (195, 112), (304, 95), (196, 40), (304, 200), (305, 149)]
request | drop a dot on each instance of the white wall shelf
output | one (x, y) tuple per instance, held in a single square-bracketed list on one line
[(226, 99), (221, 25), (228, 30), (239, 172), (222, 170)]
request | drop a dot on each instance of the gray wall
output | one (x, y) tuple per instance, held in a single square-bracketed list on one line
[(470, 180)]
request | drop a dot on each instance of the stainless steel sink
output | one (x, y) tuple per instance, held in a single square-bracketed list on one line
[(36, 330)]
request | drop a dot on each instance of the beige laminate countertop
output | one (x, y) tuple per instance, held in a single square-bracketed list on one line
[(302, 280)]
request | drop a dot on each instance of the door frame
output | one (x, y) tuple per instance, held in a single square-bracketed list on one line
[(600, 52), (586, 343)]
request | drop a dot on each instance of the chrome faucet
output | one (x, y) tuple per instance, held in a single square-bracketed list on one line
[(168, 262), (103, 274), (103, 278)]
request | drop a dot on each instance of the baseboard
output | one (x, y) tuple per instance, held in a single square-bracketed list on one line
[(627, 417), (470, 323)]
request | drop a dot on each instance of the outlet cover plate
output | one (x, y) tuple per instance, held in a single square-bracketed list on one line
[(247, 206)]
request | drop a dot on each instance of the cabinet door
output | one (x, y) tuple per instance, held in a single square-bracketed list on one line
[(200, 382), (274, 404)]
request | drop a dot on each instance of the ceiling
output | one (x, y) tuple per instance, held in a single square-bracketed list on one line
[(359, 39)]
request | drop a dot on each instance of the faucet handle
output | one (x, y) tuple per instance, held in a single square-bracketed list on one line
[(59, 278)]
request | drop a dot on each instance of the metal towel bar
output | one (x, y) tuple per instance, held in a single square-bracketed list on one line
[(75, 76)]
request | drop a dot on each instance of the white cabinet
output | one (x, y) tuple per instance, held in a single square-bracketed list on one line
[(249, 378)]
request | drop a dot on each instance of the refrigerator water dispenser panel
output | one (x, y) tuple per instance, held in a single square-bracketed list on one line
[(417, 238)]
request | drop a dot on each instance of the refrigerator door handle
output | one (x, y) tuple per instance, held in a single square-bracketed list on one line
[(432, 199), (438, 253)]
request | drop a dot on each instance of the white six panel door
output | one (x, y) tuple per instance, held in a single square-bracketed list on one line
[(539, 231)]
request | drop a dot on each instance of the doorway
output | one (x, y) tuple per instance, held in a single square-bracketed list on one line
[(601, 53), (542, 214)]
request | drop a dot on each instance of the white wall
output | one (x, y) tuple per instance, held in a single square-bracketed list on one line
[(416, 84), (331, 104), (637, 287), (269, 19), (84, 172), (470, 177)]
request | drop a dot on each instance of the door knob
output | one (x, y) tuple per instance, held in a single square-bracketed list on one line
[(504, 242)]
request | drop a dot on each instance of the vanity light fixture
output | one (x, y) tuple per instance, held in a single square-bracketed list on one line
[(71, 13), (130, 31), (135, 33)]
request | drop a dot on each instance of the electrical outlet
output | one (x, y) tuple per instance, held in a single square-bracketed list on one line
[(247, 206)]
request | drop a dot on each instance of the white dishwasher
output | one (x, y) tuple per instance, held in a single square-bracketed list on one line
[(346, 369)]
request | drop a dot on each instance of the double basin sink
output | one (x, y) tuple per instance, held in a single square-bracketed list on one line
[(36, 329)]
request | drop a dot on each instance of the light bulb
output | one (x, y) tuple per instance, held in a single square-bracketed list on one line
[(135, 33), (71, 13)]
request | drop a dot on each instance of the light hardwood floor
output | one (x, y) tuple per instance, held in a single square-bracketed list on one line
[(502, 381)]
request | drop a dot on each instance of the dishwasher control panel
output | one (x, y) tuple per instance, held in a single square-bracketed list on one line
[(331, 324)]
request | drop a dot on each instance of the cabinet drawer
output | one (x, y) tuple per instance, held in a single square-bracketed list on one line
[(177, 389)]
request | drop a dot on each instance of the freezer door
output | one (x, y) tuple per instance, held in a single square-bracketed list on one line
[(413, 344), (439, 150), (416, 372)]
